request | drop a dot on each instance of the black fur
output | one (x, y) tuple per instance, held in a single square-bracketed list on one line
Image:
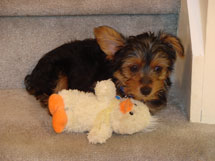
[(83, 63)]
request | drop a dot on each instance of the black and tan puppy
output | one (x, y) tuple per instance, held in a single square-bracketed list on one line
[(139, 65)]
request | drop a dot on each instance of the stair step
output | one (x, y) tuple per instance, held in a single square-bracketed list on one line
[(31, 28), (25, 39), (86, 7)]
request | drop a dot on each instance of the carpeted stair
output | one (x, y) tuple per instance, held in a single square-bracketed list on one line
[(29, 29)]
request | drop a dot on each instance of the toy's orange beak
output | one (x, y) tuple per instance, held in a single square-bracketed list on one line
[(126, 106)]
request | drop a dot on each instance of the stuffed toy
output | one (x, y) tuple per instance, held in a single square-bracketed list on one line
[(100, 114)]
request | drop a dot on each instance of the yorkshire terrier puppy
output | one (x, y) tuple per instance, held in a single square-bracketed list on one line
[(140, 66)]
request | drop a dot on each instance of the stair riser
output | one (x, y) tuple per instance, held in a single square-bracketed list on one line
[(25, 39)]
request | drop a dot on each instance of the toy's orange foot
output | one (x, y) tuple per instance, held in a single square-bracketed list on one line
[(55, 102), (56, 108)]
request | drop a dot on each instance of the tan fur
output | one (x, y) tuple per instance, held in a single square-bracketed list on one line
[(162, 62), (174, 42), (133, 87), (43, 99), (133, 80), (61, 84), (109, 40)]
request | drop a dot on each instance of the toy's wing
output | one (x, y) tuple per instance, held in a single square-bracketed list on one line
[(101, 129)]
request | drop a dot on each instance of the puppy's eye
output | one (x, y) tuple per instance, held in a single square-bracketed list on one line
[(158, 69), (134, 68)]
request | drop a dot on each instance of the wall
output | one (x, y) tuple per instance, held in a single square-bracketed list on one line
[(194, 77), (208, 111), (183, 66), (203, 13)]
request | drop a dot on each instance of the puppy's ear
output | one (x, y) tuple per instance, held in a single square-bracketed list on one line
[(109, 40), (174, 42)]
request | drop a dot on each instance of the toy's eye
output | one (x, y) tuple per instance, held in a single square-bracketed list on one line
[(131, 113), (134, 68), (135, 104)]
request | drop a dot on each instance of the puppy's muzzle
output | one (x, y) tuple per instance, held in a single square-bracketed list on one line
[(146, 90)]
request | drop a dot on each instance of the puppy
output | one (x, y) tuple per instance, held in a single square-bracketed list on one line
[(140, 66)]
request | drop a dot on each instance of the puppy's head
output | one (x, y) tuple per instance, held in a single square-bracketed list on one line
[(142, 63)]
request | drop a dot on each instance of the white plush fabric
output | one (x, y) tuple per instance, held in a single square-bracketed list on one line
[(100, 114), (26, 134)]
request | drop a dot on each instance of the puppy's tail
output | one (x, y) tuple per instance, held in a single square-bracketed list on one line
[(28, 85)]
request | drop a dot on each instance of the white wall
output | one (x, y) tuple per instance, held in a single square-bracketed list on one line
[(208, 106), (203, 13), (194, 75)]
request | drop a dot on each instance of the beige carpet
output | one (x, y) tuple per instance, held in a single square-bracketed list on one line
[(30, 29), (26, 134), (89, 7), (23, 40)]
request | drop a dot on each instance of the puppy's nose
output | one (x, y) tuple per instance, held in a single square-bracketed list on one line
[(145, 90)]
